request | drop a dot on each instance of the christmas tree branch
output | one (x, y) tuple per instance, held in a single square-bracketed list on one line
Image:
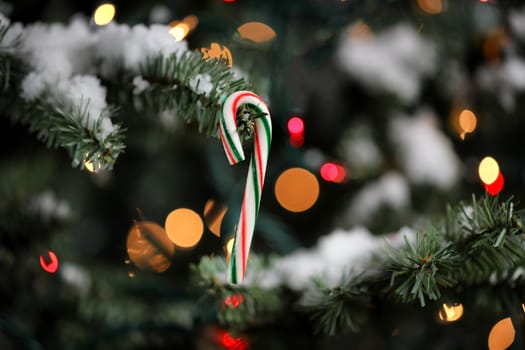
[(192, 85), (476, 245), (87, 142), (68, 108), (235, 306)]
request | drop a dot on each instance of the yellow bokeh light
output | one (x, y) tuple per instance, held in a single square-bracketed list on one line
[(89, 166), (228, 247), (179, 31), (104, 14), (213, 215), (218, 51), (148, 246), (431, 6), (184, 227), (257, 32), (296, 189), (501, 336), (451, 313), (488, 170)]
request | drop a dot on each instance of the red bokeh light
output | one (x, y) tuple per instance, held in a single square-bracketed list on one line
[(234, 300), (229, 0), (295, 126), (333, 172), (296, 140), (495, 187), (52, 267), (232, 343)]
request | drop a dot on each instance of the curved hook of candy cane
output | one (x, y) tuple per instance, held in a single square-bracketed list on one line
[(256, 172)]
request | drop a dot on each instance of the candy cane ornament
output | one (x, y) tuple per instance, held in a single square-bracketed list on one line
[(256, 172)]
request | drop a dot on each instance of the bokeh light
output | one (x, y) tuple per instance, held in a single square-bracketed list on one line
[(218, 51), (488, 170), (213, 216), (104, 14), (184, 227), (149, 247), (467, 122), (228, 248), (333, 172), (191, 21), (501, 336), (296, 141), (295, 126), (450, 312), (296, 189), (52, 266), (179, 30), (432, 7), (234, 300), (257, 32), (497, 186), (231, 343), (494, 44), (360, 30)]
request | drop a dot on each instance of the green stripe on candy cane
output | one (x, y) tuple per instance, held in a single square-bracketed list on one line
[(256, 172)]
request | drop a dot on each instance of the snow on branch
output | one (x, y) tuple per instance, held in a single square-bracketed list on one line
[(62, 93)]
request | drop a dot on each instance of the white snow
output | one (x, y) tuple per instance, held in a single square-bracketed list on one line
[(394, 60), (504, 79), (64, 59), (132, 46), (517, 22), (391, 190), (424, 153), (201, 84), (76, 276), (334, 254), (140, 84), (359, 151), (338, 254), (49, 206)]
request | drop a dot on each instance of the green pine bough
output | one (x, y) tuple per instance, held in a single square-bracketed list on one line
[(185, 83), (478, 246)]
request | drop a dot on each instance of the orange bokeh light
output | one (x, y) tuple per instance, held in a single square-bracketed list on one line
[(184, 227), (296, 189), (432, 7), (149, 247), (257, 32), (213, 216), (502, 335)]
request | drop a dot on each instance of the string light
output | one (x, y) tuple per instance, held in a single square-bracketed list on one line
[(257, 32), (148, 246), (432, 7), (104, 14), (497, 186), (295, 127), (450, 313), (52, 266), (467, 122), (213, 216), (296, 189), (502, 335), (332, 172), (184, 227), (488, 170), (218, 51)]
